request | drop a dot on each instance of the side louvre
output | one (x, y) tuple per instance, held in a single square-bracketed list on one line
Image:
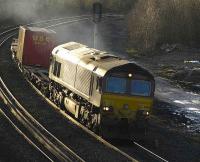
[(69, 73), (83, 80)]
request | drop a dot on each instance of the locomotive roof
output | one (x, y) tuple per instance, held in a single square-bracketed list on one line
[(98, 61)]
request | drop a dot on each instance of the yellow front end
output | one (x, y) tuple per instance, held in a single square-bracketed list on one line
[(125, 106), (119, 114)]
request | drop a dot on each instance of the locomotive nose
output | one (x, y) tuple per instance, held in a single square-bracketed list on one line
[(125, 107), (125, 111)]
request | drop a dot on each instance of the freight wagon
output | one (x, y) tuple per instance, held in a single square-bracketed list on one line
[(34, 46)]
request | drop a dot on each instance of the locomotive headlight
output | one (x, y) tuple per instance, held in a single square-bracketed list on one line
[(142, 113), (108, 108), (130, 75), (126, 106)]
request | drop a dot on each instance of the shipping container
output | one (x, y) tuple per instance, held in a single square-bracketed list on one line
[(35, 46)]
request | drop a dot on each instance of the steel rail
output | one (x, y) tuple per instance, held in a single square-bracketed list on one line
[(39, 22), (6, 38), (150, 152), (67, 22), (97, 137), (106, 143), (55, 146), (50, 26), (86, 129), (25, 137), (25, 121), (56, 19), (69, 117)]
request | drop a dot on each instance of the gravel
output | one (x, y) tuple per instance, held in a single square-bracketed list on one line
[(13, 147)]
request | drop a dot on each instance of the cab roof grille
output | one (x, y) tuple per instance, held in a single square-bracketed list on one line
[(104, 57), (74, 46)]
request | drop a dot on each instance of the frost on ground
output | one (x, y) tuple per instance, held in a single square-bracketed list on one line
[(185, 105)]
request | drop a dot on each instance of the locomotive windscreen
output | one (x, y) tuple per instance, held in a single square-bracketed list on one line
[(116, 85), (140, 88), (127, 86)]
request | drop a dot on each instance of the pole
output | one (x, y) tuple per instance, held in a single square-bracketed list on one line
[(94, 35)]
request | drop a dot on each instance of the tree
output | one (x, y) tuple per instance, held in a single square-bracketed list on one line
[(155, 22)]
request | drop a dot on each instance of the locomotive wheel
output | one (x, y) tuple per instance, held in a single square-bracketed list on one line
[(89, 120), (95, 125), (81, 116), (45, 91), (95, 128)]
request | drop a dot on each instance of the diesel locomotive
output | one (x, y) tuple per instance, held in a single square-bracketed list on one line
[(110, 95)]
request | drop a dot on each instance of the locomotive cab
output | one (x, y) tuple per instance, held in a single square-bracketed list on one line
[(127, 99)]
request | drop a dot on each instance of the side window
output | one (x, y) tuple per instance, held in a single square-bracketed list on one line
[(56, 69), (99, 84)]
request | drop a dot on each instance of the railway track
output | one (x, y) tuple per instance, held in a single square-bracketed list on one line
[(42, 23), (138, 148), (56, 148), (141, 153), (49, 141)]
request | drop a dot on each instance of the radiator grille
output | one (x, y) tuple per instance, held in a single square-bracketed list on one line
[(69, 73)]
